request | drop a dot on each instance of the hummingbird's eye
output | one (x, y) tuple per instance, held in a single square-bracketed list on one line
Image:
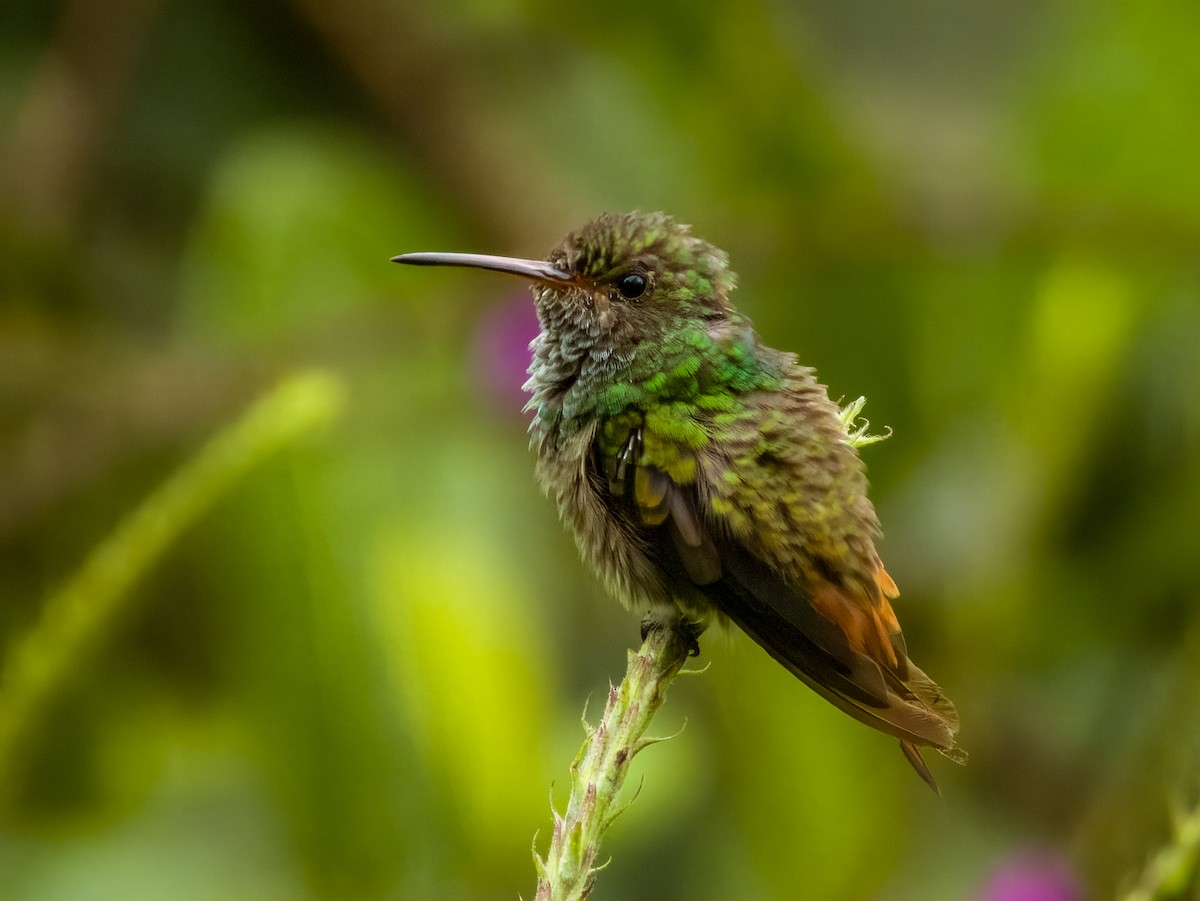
[(632, 285)]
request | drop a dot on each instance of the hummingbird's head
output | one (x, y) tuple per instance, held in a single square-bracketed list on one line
[(621, 280), (636, 274)]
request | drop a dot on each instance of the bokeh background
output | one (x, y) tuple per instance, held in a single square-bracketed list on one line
[(359, 672)]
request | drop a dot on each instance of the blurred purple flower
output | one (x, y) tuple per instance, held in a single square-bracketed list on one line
[(501, 354), (1031, 876)]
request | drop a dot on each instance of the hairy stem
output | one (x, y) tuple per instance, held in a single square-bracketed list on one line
[(568, 871)]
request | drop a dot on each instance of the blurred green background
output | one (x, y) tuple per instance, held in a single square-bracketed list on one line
[(360, 671)]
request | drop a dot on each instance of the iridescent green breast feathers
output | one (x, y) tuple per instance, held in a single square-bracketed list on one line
[(704, 473)]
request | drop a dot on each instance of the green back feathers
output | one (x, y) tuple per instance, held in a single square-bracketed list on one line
[(676, 394)]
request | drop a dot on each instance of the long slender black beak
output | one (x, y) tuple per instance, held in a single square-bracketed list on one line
[(537, 270)]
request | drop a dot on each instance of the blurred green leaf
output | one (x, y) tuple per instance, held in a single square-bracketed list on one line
[(79, 615)]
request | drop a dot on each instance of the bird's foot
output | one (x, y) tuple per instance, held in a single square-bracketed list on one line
[(689, 631)]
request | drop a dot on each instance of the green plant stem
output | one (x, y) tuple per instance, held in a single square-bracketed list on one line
[(568, 871), (79, 614), (1173, 869)]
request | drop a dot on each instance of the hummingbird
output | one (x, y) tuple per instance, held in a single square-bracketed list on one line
[(707, 476)]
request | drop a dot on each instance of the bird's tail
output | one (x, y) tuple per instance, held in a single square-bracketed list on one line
[(884, 690)]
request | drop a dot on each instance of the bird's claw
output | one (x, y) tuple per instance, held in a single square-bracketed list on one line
[(688, 631)]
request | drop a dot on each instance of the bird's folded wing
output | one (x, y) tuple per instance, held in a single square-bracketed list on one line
[(816, 634)]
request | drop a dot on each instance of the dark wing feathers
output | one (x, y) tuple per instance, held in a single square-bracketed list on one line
[(893, 696), (699, 556), (791, 630)]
